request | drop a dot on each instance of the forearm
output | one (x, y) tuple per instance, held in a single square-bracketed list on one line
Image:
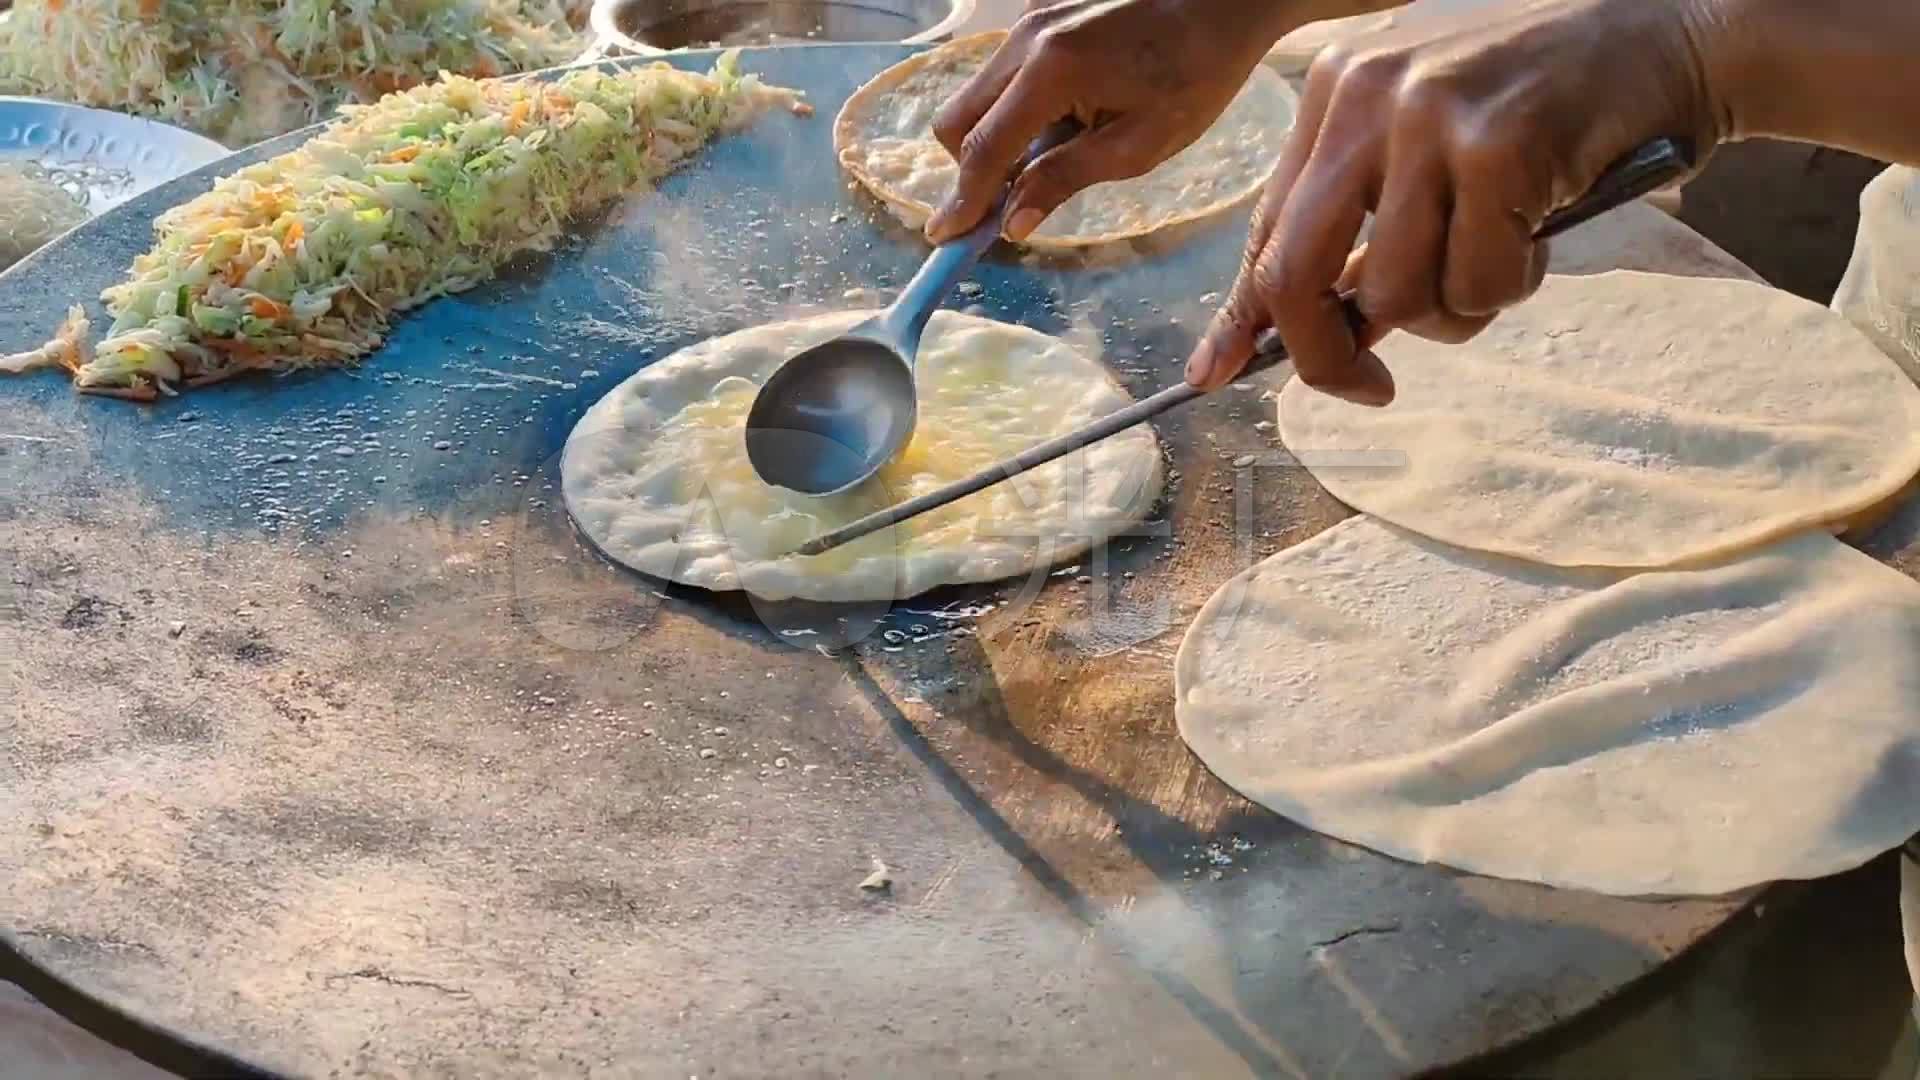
[(1841, 73)]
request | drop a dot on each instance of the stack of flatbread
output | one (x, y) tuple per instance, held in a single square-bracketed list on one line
[(1593, 628)]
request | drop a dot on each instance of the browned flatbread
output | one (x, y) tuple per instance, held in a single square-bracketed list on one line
[(885, 141)]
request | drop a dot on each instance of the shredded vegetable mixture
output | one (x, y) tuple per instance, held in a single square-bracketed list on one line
[(304, 260), (34, 209), (244, 70)]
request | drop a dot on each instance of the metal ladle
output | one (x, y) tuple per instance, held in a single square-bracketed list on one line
[(834, 415)]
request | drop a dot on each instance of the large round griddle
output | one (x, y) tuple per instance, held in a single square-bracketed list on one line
[(327, 744)]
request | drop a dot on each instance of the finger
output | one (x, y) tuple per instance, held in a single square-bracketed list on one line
[(1399, 279), (1127, 147), (1371, 333), (1300, 141), (958, 116), (1449, 328), (1489, 259), (1229, 341), (990, 151), (1230, 338), (1490, 247), (1542, 259), (1443, 327), (1297, 275)]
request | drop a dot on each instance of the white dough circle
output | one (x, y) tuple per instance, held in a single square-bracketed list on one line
[(1667, 733), (656, 473), (1625, 420), (885, 140)]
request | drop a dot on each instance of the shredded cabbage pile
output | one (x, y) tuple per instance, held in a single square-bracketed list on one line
[(34, 208), (244, 70), (304, 260)]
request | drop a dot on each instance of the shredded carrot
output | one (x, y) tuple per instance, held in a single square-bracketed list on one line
[(149, 8), (517, 116), (54, 6), (295, 231), (405, 153), (265, 308), (233, 347), (138, 392)]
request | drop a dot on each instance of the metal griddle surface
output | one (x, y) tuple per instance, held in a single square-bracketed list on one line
[(328, 744)]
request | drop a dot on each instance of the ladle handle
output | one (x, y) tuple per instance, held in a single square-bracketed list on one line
[(953, 260)]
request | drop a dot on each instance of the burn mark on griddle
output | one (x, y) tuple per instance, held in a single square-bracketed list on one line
[(83, 943), (376, 975), (580, 897), (1358, 931), (156, 721), (297, 715), (253, 650), (89, 612), (246, 646), (332, 828)]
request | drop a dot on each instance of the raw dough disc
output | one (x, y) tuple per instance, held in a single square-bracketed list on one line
[(1666, 733), (1625, 420), (656, 473), (885, 140)]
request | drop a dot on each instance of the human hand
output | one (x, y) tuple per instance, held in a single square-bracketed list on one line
[(1147, 78), (1460, 137)]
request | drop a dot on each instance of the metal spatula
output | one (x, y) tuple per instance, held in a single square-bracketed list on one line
[(1647, 169)]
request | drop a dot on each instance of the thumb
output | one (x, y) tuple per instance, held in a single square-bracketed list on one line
[(1229, 341), (991, 151), (1118, 150)]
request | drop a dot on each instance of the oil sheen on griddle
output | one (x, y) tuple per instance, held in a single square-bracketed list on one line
[(749, 24)]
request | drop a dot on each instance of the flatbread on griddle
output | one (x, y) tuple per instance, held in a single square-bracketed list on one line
[(656, 473), (1675, 733), (1625, 420), (884, 136)]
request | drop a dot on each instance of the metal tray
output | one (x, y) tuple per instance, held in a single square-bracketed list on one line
[(123, 156), (652, 27)]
